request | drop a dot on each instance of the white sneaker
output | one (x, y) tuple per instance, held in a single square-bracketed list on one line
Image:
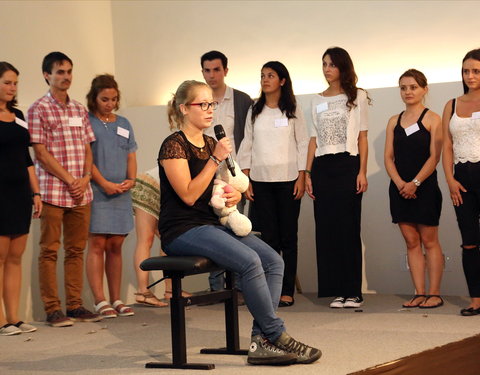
[(25, 327), (352, 302), (337, 303), (9, 330)]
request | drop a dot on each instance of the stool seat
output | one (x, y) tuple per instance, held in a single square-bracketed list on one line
[(190, 265)]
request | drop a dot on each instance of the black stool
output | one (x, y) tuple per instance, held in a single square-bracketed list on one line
[(176, 268)]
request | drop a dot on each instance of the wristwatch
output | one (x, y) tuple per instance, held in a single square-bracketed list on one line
[(416, 182)]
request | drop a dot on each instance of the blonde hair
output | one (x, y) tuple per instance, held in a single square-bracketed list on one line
[(185, 94)]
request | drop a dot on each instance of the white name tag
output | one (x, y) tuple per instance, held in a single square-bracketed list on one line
[(123, 132), (476, 115), (75, 121), (412, 129), (22, 123), (281, 122), (322, 107)]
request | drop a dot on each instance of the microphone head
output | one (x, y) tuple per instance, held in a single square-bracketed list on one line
[(219, 132)]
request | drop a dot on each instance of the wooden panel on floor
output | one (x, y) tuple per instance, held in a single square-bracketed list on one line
[(459, 357)]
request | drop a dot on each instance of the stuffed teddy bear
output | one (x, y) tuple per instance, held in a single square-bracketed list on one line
[(230, 217)]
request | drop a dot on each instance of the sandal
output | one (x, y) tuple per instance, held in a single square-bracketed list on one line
[(149, 299), (122, 309), (105, 310), (423, 306), (168, 294), (405, 306)]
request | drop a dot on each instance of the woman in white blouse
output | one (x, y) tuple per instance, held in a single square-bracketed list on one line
[(273, 155), (461, 163), (336, 178)]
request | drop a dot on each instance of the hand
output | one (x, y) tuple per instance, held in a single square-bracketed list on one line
[(127, 184), (362, 183), (222, 149), (77, 188), (299, 188), (249, 192), (408, 190), (308, 186), (112, 188), (455, 192), (37, 206), (232, 198)]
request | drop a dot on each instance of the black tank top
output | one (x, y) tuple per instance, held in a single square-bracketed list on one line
[(176, 217)]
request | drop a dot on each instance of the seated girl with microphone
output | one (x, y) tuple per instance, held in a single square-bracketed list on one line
[(188, 160)]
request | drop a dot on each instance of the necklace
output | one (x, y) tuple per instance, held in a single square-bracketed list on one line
[(104, 122)]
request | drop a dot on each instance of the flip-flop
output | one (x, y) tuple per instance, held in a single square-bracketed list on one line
[(413, 299), (432, 306)]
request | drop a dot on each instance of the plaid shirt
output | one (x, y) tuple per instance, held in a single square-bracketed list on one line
[(64, 130)]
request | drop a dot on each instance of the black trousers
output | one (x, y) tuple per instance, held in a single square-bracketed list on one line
[(276, 215), (337, 210), (468, 215)]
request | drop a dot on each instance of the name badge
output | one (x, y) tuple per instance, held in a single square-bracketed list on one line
[(412, 129), (475, 115), (123, 132), (22, 123), (75, 122), (322, 107), (281, 122)]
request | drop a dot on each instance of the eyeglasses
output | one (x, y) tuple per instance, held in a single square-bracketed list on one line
[(205, 105)]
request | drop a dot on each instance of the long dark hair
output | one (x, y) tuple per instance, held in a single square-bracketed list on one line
[(6, 67), (287, 102), (475, 55), (348, 77)]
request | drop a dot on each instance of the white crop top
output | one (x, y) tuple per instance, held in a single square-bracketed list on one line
[(465, 133)]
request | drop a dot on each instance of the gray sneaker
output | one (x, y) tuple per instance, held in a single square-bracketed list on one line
[(9, 330), (304, 353), (263, 352)]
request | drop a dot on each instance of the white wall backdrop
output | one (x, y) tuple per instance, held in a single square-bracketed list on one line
[(151, 46)]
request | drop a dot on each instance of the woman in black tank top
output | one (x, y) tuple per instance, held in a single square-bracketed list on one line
[(412, 151)]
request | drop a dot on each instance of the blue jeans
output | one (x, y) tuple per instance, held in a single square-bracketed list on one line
[(259, 266)]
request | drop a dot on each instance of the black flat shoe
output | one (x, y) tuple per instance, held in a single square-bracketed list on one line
[(470, 311), (286, 303)]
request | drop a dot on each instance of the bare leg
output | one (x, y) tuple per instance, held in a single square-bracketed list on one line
[(435, 262), (113, 265), (95, 264), (416, 259), (11, 251)]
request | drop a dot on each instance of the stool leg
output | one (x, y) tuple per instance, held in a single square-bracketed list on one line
[(179, 342), (231, 322)]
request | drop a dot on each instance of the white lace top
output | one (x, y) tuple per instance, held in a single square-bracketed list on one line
[(336, 127), (465, 133)]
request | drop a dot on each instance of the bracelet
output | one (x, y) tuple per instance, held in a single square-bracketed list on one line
[(34, 194), (88, 174), (416, 182), (215, 160), (308, 171)]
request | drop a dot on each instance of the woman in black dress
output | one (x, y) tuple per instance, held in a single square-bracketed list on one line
[(412, 151), (17, 183)]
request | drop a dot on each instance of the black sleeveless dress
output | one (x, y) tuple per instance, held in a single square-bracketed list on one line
[(15, 192), (411, 152)]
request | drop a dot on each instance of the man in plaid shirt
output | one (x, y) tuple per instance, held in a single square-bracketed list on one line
[(61, 135)]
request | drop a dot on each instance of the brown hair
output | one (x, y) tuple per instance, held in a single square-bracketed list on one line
[(417, 75), (7, 67), (474, 54), (99, 83), (185, 94)]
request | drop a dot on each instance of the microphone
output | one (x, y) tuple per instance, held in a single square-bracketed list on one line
[(220, 133)]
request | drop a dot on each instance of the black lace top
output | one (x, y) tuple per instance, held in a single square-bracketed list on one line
[(175, 216)]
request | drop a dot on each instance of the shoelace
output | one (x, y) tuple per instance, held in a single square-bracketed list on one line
[(269, 346), (294, 346)]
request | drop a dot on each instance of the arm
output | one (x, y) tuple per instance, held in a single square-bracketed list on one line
[(312, 146), (301, 139), (388, 155), (178, 173), (129, 182), (244, 154), (108, 187), (79, 185), (51, 165), (454, 186), (427, 169), (37, 199), (362, 183)]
